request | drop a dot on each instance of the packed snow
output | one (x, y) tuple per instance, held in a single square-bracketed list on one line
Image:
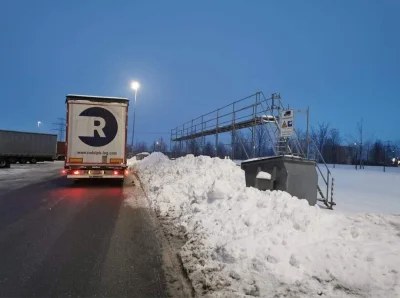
[(263, 175), (242, 241), (132, 161)]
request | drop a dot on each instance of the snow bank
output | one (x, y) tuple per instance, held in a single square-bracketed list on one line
[(132, 161), (242, 241)]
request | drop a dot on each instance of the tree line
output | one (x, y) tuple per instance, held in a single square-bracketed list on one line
[(335, 148), (352, 149)]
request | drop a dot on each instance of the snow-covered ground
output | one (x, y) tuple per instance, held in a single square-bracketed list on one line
[(367, 190), (21, 175), (242, 241)]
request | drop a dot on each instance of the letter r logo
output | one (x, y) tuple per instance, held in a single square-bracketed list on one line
[(102, 127)]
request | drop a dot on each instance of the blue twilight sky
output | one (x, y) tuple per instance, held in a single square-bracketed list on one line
[(342, 58)]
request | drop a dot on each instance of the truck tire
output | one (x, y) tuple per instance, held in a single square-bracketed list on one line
[(33, 161), (3, 163), (22, 161)]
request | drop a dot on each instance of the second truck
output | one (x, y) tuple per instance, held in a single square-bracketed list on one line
[(96, 137)]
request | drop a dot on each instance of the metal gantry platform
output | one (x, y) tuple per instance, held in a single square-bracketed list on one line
[(248, 112), (226, 128), (259, 115)]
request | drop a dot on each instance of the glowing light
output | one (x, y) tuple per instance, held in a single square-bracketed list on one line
[(135, 85)]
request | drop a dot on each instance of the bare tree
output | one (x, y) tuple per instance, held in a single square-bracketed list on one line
[(222, 150), (302, 137), (367, 148), (378, 152), (140, 147), (319, 135), (358, 145), (129, 150), (162, 145), (176, 150), (209, 149), (335, 141), (242, 146), (194, 146), (360, 142), (159, 145), (397, 149), (261, 141)]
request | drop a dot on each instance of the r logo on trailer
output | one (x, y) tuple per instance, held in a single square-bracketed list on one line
[(104, 127)]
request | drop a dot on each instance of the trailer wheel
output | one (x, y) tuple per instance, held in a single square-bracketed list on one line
[(22, 161), (33, 161), (3, 163)]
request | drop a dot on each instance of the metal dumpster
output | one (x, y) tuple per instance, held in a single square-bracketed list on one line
[(294, 175)]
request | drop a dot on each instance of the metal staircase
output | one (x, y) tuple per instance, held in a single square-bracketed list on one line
[(293, 146)]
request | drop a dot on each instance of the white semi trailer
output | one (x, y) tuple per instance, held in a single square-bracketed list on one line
[(96, 137)]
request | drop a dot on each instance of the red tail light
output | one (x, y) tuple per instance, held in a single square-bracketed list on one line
[(76, 172), (64, 171), (116, 172), (126, 172)]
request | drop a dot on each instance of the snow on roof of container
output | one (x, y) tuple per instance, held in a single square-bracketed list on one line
[(263, 175), (270, 157), (143, 153), (29, 132), (259, 158), (95, 96)]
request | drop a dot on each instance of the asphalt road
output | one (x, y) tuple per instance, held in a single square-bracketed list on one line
[(93, 240)]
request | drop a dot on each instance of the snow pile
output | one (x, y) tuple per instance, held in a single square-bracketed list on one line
[(132, 161), (242, 241)]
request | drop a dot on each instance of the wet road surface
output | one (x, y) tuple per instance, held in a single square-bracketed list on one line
[(58, 239)]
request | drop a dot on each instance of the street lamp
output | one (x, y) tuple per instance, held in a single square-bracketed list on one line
[(38, 125), (135, 86)]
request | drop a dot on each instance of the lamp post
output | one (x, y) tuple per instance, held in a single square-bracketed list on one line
[(135, 86), (38, 125)]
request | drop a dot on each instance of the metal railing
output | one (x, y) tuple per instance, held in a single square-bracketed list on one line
[(327, 178)]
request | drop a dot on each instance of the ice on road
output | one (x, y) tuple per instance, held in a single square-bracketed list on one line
[(20, 175), (242, 241)]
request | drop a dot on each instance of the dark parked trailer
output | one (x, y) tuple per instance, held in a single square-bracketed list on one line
[(23, 147), (60, 151)]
